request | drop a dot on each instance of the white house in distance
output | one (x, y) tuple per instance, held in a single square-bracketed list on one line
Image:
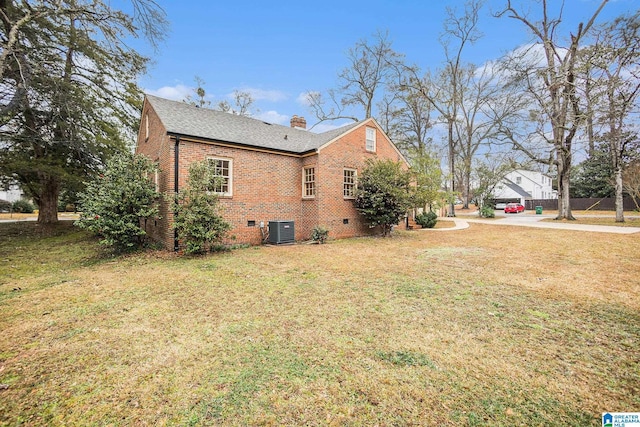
[(521, 185), (11, 193)]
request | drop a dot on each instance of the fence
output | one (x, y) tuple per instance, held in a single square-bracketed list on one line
[(606, 204)]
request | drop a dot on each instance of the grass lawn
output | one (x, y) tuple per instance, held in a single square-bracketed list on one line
[(631, 219), (451, 328)]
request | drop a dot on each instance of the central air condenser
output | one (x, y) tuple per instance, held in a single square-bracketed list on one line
[(281, 232)]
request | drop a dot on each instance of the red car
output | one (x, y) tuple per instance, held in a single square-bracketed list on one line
[(513, 208)]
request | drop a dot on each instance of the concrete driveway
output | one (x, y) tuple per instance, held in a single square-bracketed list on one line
[(532, 220)]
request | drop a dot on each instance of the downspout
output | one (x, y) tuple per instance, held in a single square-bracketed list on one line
[(176, 163)]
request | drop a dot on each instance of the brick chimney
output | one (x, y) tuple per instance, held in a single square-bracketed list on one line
[(298, 122)]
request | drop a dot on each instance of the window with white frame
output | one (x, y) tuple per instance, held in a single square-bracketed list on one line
[(309, 183), (349, 183), (146, 126), (371, 139), (223, 170), (518, 180)]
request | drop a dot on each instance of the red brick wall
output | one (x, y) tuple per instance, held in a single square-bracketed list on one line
[(309, 207), (159, 148), (347, 152), (266, 186)]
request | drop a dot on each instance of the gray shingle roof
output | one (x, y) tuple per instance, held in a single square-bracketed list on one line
[(515, 187), (187, 120)]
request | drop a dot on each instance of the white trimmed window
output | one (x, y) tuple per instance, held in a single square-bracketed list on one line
[(309, 183), (518, 180), (349, 183), (223, 169), (146, 126), (371, 139)]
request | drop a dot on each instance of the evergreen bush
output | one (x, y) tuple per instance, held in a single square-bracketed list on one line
[(116, 202), (5, 206), (383, 194), (319, 234), (199, 226), (427, 219), (487, 212), (23, 206)]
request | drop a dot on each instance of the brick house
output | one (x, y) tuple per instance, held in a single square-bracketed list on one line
[(271, 172)]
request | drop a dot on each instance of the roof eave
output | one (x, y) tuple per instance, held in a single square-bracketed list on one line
[(240, 145)]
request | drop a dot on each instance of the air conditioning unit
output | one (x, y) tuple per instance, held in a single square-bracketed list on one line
[(281, 232)]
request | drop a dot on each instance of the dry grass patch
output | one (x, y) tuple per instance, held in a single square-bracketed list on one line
[(22, 216), (16, 216), (630, 221), (420, 329)]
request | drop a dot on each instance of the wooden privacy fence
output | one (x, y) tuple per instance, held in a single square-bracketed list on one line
[(606, 204)]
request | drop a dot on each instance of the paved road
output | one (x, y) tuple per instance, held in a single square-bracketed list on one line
[(533, 220)]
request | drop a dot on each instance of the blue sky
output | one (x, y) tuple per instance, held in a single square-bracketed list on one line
[(279, 50)]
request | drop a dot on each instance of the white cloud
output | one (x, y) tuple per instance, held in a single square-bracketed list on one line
[(272, 117), (176, 93), (261, 94), (304, 98)]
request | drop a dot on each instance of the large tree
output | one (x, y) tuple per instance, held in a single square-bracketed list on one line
[(548, 83), (443, 90), (406, 116), (615, 72), (68, 93), (480, 98), (372, 64)]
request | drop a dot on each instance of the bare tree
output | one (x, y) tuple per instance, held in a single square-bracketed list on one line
[(476, 125), (552, 87), (242, 102), (407, 116), (371, 64), (616, 63), (443, 92), (200, 93), (327, 108)]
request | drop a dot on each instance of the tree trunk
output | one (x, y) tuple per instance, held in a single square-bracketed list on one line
[(452, 207), (48, 200), (564, 198), (467, 185), (619, 190)]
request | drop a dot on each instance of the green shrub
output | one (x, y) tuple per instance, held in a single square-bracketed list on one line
[(23, 206), (199, 226), (5, 206), (319, 234), (487, 212), (116, 202), (427, 219), (383, 194)]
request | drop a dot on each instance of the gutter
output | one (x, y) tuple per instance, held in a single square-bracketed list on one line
[(240, 145), (176, 164)]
